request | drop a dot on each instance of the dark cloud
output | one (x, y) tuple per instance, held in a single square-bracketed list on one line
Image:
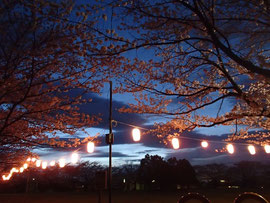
[(106, 155), (147, 151), (100, 106)]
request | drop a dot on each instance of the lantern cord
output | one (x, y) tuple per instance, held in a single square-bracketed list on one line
[(127, 124)]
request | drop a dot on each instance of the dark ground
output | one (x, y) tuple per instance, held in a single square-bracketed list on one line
[(215, 196)]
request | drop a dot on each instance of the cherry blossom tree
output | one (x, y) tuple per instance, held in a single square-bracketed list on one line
[(201, 54), (48, 52)]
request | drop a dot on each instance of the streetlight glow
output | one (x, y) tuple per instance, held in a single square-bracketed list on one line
[(230, 148), (90, 147), (136, 134), (251, 149), (175, 143), (204, 144), (74, 157)]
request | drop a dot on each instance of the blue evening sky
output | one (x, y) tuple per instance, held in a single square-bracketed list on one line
[(125, 151)]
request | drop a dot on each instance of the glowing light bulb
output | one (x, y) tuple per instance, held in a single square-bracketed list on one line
[(175, 143), (33, 159), (52, 163), (136, 134), (230, 148), (74, 157), (251, 149), (25, 166), (62, 163), (267, 148), (21, 169), (90, 147), (38, 163), (204, 144), (29, 159), (44, 165)]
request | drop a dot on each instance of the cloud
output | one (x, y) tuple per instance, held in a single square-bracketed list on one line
[(100, 106), (106, 155)]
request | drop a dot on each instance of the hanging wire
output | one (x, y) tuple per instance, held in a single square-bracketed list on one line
[(184, 137), (127, 124)]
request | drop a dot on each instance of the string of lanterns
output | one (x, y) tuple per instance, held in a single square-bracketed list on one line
[(229, 147), (136, 135), (32, 161), (204, 144)]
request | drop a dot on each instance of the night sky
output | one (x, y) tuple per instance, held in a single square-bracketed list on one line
[(126, 151)]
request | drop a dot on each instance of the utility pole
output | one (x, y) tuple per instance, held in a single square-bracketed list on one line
[(109, 141)]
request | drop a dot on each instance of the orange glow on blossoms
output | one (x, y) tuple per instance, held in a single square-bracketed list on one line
[(38, 163), (90, 147), (44, 165), (136, 134), (251, 149), (230, 148), (62, 163), (175, 143), (267, 148), (52, 163), (74, 157), (204, 144)]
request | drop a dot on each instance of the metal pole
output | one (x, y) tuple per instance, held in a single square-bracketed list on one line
[(110, 146)]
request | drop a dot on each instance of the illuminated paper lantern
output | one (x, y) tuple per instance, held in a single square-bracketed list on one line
[(38, 163), (267, 148), (62, 163), (230, 148), (52, 163), (136, 134), (251, 149), (13, 170), (25, 166), (90, 147), (44, 165), (175, 143), (74, 157), (204, 144)]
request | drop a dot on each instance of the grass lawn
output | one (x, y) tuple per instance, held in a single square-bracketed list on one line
[(215, 196)]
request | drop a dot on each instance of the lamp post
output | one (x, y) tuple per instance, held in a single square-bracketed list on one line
[(109, 141)]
